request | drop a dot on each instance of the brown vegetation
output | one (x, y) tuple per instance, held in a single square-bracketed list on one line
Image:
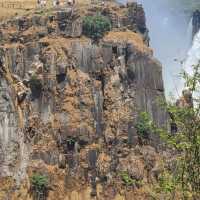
[(10, 8)]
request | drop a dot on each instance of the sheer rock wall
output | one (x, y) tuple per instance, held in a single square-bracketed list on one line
[(196, 22), (68, 106)]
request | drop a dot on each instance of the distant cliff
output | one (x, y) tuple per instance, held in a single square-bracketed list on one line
[(68, 106), (196, 22)]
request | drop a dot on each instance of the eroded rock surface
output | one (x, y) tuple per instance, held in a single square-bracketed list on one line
[(68, 106)]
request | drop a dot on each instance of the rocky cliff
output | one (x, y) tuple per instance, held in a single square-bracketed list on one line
[(196, 22), (68, 106)]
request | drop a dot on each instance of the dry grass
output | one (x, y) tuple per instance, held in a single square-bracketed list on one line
[(128, 36), (10, 8)]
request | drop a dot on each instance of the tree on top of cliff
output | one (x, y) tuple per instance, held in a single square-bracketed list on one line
[(96, 26)]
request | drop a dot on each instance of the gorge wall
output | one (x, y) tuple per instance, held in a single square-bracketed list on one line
[(68, 106), (196, 22)]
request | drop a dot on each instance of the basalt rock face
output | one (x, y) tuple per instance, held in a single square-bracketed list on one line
[(68, 106), (196, 22), (8, 130)]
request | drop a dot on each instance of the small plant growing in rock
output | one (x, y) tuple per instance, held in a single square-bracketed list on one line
[(39, 186), (96, 26), (167, 183), (71, 144), (144, 125), (128, 181)]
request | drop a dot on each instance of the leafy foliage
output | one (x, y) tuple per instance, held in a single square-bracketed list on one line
[(39, 183), (167, 182), (71, 141), (144, 125), (128, 181), (96, 26), (186, 142)]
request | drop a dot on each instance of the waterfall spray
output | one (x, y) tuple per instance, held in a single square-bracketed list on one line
[(193, 56), (189, 35)]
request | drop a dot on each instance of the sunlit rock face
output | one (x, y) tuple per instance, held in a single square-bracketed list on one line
[(69, 106), (9, 152), (13, 151)]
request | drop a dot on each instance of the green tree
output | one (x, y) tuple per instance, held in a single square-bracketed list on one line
[(96, 26), (186, 142), (144, 126)]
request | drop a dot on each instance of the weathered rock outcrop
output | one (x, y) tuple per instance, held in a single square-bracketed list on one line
[(68, 106), (196, 22)]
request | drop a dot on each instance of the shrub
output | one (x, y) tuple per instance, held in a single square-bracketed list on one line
[(128, 181), (167, 183), (144, 125), (96, 26), (39, 184)]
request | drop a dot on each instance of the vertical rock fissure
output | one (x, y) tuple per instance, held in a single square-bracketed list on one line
[(20, 150)]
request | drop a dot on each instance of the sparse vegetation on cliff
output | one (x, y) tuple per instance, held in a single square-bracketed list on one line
[(144, 126), (39, 186), (128, 181), (180, 178), (84, 120), (96, 26)]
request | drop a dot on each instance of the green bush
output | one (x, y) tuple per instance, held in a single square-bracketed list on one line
[(166, 183), (128, 181), (144, 125), (39, 183), (96, 26)]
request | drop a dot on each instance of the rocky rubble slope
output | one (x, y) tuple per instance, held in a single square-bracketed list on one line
[(68, 106)]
